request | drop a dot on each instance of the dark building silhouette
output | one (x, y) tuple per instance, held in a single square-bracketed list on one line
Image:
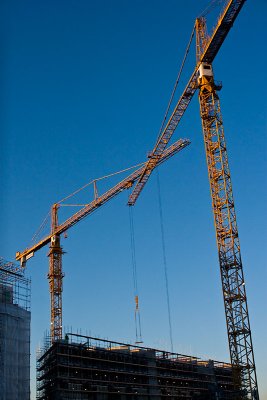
[(82, 367)]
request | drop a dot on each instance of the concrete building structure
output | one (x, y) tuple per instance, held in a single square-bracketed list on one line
[(83, 368), (14, 333)]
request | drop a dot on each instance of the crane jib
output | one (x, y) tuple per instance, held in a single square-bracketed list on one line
[(225, 23), (95, 204)]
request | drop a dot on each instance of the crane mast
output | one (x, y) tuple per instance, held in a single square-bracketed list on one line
[(233, 284), (232, 276), (55, 277)]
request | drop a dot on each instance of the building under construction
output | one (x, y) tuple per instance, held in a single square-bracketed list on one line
[(82, 367), (14, 333)]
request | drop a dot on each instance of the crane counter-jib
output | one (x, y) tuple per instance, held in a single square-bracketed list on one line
[(126, 183)]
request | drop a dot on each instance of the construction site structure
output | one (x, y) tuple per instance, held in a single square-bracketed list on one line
[(15, 320), (87, 368)]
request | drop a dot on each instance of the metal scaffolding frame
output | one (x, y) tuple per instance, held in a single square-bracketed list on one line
[(13, 279), (84, 367), (14, 332)]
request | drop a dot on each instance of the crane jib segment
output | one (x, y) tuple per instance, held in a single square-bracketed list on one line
[(166, 136), (220, 32), (89, 208), (224, 24)]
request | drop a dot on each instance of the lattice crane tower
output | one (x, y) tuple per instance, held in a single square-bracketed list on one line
[(232, 276)]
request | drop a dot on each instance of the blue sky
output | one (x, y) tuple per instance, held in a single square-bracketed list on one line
[(84, 89)]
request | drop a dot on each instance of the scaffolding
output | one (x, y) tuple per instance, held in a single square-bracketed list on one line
[(14, 286), (14, 333), (84, 367)]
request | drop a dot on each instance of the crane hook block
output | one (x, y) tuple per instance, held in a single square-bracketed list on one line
[(136, 302)]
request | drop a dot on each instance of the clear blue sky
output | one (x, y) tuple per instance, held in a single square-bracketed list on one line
[(84, 87)]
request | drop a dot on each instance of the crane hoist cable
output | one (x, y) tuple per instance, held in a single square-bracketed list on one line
[(41, 227), (176, 82), (93, 182), (164, 259), (212, 4), (137, 319)]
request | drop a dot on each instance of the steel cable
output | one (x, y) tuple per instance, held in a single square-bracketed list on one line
[(138, 333), (176, 83), (164, 259), (98, 179)]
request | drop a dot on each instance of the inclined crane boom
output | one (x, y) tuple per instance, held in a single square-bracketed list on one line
[(212, 47), (55, 274)]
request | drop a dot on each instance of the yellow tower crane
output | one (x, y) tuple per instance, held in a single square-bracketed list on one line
[(232, 276), (55, 274)]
